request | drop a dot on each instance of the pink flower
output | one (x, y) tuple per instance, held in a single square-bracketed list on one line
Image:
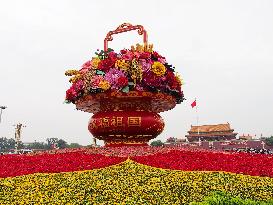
[(145, 64), (152, 80), (96, 81), (112, 77), (87, 65), (83, 70), (139, 87), (162, 60), (128, 56), (78, 86), (136, 55), (73, 92)]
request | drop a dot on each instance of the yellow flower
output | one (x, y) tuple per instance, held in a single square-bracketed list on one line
[(179, 79), (104, 84), (95, 62), (122, 65), (75, 78), (158, 68), (142, 48), (71, 72)]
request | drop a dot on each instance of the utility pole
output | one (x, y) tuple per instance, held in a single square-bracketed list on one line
[(1, 110), (18, 129)]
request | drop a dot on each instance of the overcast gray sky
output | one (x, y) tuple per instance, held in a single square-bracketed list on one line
[(222, 49)]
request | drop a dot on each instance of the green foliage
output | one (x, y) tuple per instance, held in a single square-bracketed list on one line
[(37, 145), (125, 89), (269, 141), (67, 102), (74, 145), (55, 142), (157, 143), (221, 198), (8, 144), (102, 54), (62, 144), (99, 72), (51, 142)]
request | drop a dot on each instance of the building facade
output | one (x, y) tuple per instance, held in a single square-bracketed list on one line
[(219, 132)]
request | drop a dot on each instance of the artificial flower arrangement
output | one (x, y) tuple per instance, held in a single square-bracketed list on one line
[(136, 69)]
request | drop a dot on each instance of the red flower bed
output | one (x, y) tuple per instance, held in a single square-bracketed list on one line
[(194, 160), (163, 157), (123, 151), (16, 165)]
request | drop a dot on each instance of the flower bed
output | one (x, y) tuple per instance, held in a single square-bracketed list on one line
[(130, 183), (251, 164), (16, 165), (140, 175)]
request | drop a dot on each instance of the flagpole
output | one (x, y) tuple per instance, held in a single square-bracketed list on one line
[(197, 118)]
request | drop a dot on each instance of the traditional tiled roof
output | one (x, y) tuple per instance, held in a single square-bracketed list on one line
[(211, 128), (212, 135)]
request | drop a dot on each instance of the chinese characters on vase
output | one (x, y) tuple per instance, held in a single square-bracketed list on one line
[(130, 127)]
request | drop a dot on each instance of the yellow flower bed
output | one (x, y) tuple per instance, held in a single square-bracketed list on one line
[(129, 183)]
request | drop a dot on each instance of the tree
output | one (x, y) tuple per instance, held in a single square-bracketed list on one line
[(269, 141), (8, 144), (74, 145), (51, 142), (157, 143), (62, 144), (37, 145), (3, 144), (171, 140)]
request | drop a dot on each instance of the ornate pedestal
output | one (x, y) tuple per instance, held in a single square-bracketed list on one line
[(126, 118)]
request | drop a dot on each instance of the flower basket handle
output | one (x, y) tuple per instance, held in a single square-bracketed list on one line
[(124, 28)]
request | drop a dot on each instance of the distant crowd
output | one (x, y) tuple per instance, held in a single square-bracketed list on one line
[(254, 150)]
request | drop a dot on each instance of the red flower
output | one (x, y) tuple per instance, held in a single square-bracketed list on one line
[(172, 157), (78, 86), (106, 64), (124, 51), (155, 55), (112, 55), (16, 165), (145, 55), (71, 94), (122, 82), (172, 81), (151, 80), (194, 160)]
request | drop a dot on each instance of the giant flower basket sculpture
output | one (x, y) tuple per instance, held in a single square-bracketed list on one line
[(125, 91)]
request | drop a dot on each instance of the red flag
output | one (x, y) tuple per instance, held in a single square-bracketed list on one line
[(193, 104)]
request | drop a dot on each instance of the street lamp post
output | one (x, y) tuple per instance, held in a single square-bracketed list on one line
[(1, 110)]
